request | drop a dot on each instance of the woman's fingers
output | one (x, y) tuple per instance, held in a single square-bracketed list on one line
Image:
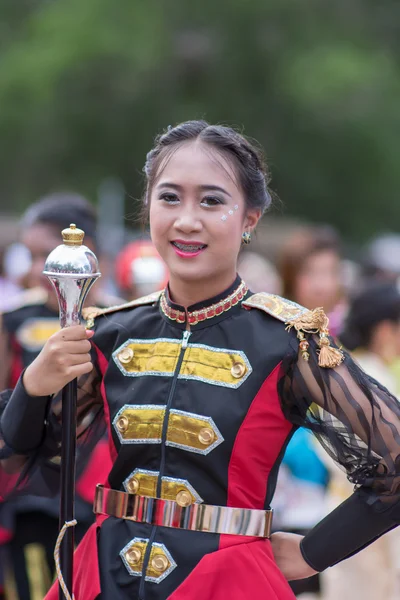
[(80, 347), (73, 333)]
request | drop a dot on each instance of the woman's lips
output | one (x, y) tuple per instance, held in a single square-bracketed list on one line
[(188, 249)]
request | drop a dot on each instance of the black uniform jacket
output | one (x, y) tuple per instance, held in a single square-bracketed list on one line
[(203, 413)]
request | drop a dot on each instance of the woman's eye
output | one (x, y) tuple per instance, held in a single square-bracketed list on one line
[(211, 201), (169, 198)]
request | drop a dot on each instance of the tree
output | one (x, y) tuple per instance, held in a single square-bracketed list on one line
[(84, 86)]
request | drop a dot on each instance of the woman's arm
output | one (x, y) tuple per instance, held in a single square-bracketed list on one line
[(32, 412), (358, 422)]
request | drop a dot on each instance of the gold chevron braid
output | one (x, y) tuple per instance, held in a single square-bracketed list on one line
[(304, 322), (91, 312), (208, 312)]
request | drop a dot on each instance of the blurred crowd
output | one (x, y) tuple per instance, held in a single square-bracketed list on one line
[(360, 293)]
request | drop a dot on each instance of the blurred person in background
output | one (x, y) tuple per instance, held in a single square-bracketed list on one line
[(310, 267), (382, 258), (24, 331), (11, 262), (259, 273), (372, 332), (139, 270)]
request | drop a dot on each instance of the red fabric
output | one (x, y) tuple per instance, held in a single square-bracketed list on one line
[(5, 535), (8, 483), (103, 365), (96, 471), (256, 449), (17, 365), (86, 567), (238, 573)]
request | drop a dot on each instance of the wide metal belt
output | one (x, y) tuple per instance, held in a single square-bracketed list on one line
[(196, 517)]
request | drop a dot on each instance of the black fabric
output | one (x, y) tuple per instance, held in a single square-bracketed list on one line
[(357, 421), (350, 527), (23, 421)]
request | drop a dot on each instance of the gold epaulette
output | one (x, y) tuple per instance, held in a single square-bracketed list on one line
[(304, 321), (28, 297), (92, 312)]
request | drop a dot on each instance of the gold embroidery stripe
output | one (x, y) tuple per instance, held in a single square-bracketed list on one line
[(186, 431), (147, 484), (210, 365), (141, 423), (156, 551), (141, 546), (37, 332), (159, 357), (169, 488), (202, 363)]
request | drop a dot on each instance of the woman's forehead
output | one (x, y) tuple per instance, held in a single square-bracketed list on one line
[(197, 163)]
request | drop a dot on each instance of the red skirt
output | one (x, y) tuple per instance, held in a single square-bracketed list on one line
[(238, 572)]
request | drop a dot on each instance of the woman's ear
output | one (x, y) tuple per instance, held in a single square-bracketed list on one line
[(253, 215)]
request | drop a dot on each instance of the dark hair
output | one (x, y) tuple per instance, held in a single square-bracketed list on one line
[(245, 156), (303, 243), (61, 209), (376, 303)]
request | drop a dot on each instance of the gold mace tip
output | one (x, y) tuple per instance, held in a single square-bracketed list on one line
[(72, 236)]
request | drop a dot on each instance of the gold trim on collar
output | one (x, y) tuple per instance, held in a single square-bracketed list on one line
[(208, 312)]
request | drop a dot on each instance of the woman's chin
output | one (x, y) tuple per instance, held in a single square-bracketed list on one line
[(189, 274)]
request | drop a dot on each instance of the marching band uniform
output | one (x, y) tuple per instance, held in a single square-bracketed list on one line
[(200, 405)]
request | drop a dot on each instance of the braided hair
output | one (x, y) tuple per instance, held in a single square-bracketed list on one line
[(245, 157)]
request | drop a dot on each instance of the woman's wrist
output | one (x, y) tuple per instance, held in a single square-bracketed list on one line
[(28, 381)]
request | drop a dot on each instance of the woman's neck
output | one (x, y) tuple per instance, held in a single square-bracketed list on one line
[(188, 293)]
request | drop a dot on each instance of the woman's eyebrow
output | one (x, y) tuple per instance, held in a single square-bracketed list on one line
[(204, 188)]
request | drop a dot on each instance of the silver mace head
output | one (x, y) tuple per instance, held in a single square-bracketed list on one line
[(72, 269)]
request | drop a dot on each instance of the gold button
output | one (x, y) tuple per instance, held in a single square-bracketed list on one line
[(184, 498), (133, 556), (126, 355), (238, 370), (133, 485), (206, 436), (160, 563), (122, 424)]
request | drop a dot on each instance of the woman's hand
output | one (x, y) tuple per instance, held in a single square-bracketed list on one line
[(288, 557), (65, 355)]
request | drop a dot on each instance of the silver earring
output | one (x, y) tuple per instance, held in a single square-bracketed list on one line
[(246, 237)]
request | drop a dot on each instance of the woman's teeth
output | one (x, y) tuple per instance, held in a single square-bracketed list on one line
[(188, 247)]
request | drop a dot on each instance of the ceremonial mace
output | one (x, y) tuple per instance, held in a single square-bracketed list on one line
[(72, 269)]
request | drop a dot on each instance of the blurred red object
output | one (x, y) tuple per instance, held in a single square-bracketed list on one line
[(140, 270)]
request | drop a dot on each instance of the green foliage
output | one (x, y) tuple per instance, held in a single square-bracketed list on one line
[(85, 86)]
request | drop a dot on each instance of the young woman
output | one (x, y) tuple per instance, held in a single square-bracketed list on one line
[(202, 387)]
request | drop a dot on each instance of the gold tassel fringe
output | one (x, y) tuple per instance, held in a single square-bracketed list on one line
[(316, 321), (312, 321), (328, 357)]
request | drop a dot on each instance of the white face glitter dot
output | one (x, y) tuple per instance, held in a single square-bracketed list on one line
[(230, 212), (224, 218), (236, 207)]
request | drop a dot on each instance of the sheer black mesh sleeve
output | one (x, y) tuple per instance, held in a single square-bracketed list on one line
[(357, 421)]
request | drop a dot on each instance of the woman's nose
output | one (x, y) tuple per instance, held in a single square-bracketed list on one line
[(188, 222)]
